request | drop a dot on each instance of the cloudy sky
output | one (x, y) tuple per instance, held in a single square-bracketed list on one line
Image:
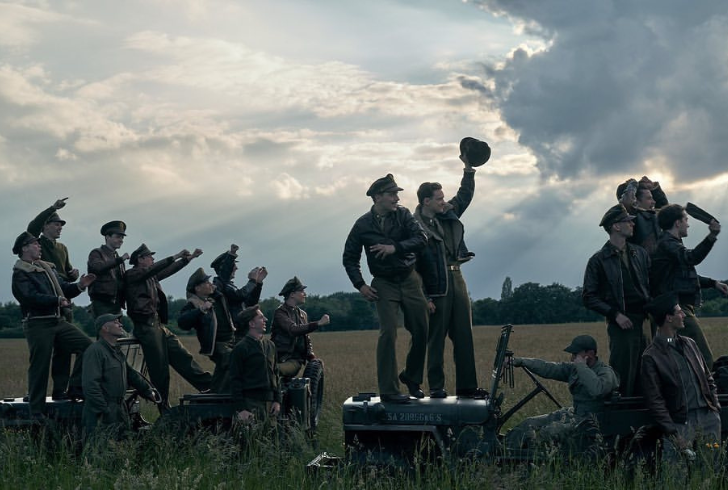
[(203, 123)]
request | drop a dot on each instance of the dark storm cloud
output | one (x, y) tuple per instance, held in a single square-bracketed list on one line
[(619, 83)]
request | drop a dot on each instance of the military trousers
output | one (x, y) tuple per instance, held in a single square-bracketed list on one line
[(163, 349), (692, 329), (452, 318), (405, 296), (44, 337), (221, 375), (114, 423), (290, 367), (625, 353)]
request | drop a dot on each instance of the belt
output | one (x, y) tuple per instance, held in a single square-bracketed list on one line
[(453, 267)]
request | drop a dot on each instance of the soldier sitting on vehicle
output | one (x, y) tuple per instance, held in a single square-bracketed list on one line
[(590, 383), (290, 329)]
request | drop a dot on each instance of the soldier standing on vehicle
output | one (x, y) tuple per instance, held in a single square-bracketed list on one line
[(254, 383), (391, 237), (147, 307), (448, 299), (591, 382), (43, 296), (107, 292), (616, 285), (673, 270), (47, 227), (207, 312), (677, 384), (106, 376), (290, 329), (225, 266), (649, 198)]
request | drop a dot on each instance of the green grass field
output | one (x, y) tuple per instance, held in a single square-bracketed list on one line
[(210, 462)]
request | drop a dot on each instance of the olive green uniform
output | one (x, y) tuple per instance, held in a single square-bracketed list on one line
[(106, 376), (254, 376)]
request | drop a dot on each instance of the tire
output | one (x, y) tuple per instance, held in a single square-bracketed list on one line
[(314, 371)]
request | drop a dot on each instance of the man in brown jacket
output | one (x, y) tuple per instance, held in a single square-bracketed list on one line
[(678, 387), (147, 307), (107, 292)]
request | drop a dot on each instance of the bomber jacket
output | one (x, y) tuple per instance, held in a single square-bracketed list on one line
[(646, 229), (144, 295), (214, 325), (33, 288), (603, 290), (237, 298), (400, 229), (433, 260), (289, 332), (109, 269), (673, 269), (52, 251), (662, 386), (254, 371), (589, 386)]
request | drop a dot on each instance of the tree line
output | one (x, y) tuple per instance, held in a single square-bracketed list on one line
[(529, 303)]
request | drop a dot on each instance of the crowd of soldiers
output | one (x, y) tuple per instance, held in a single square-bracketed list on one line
[(226, 318)]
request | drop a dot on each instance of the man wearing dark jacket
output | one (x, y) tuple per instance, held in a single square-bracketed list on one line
[(391, 237), (43, 296), (225, 266), (673, 270), (616, 285), (107, 292), (448, 299), (147, 307), (676, 381), (207, 312)]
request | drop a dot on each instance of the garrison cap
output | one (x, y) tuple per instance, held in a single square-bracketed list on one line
[(615, 214), (118, 227), (140, 252), (247, 314), (54, 218), (106, 318), (662, 306), (476, 152), (580, 343), (291, 286), (197, 277), (219, 261), (23, 239), (384, 184)]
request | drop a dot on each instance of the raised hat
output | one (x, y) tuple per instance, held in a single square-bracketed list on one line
[(293, 284), (196, 278), (142, 251), (106, 318), (54, 218), (476, 152), (23, 239), (118, 227), (580, 343), (615, 214), (384, 184), (622, 188), (219, 261)]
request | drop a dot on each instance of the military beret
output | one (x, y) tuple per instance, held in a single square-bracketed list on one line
[(662, 306), (219, 261), (54, 218), (118, 227), (245, 316), (292, 285), (106, 318), (580, 343), (197, 277), (384, 184), (476, 152), (23, 239), (615, 214), (140, 252)]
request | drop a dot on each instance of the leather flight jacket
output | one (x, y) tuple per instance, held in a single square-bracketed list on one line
[(237, 299), (662, 385), (399, 229), (289, 333), (673, 269), (603, 290), (144, 295), (109, 269), (33, 288)]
